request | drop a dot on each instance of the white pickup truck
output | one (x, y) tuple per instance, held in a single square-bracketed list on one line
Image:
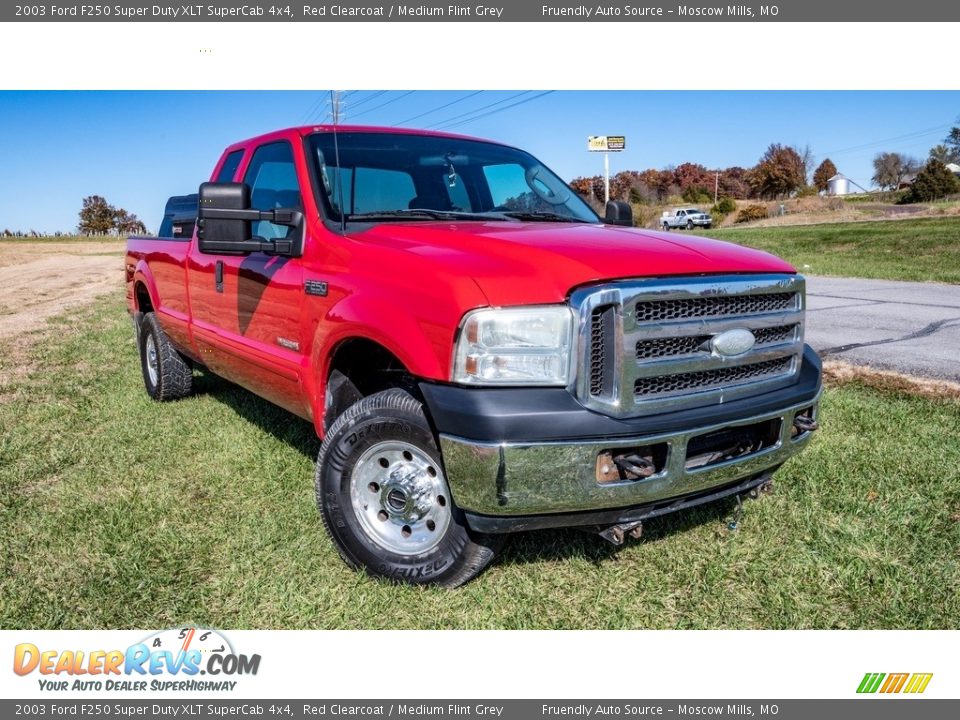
[(688, 218)]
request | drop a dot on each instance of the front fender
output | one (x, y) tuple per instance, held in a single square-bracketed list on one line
[(419, 335)]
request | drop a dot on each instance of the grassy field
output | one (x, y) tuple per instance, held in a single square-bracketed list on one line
[(920, 249), (119, 512)]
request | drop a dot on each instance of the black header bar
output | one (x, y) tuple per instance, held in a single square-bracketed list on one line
[(851, 11)]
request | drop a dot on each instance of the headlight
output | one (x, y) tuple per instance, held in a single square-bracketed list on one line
[(515, 346)]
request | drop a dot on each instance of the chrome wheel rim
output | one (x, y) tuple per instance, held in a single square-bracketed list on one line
[(400, 497), (151, 352)]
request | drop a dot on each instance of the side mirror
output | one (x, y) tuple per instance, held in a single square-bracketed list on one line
[(224, 220), (618, 213)]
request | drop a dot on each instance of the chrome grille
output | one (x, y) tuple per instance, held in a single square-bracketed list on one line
[(677, 346), (597, 355), (670, 347), (646, 344), (602, 349), (655, 310), (695, 381), (775, 334)]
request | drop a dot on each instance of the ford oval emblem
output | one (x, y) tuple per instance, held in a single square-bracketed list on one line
[(733, 342)]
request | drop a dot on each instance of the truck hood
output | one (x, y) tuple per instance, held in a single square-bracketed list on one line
[(525, 263)]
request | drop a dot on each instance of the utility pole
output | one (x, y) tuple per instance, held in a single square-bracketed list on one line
[(716, 186), (335, 106), (606, 177), (606, 144)]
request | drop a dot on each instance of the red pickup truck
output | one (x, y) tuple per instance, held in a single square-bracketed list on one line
[(479, 351)]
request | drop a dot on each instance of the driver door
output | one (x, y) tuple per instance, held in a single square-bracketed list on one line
[(248, 308)]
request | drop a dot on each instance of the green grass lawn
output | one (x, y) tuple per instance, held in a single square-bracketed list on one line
[(920, 249), (119, 512)]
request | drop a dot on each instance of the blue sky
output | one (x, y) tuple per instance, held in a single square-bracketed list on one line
[(138, 148)]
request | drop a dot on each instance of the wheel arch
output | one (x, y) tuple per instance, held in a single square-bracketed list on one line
[(355, 366)]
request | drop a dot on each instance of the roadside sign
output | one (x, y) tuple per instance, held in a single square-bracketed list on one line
[(606, 143)]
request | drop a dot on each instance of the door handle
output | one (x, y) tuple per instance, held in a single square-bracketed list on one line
[(218, 276)]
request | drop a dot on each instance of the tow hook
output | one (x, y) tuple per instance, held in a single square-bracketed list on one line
[(765, 488), (635, 465), (805, 423), (616, 534)]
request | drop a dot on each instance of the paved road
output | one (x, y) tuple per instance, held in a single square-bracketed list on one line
[(907, 327)]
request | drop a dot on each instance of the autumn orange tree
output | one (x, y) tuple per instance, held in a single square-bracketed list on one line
[(779, 173), (823, 173)]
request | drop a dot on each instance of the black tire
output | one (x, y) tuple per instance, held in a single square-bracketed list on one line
[(171, 376), (689, 224), (381, 420), (666, 228)]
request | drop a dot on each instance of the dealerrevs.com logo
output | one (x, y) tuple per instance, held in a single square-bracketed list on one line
[(892, 683), (180, 659)]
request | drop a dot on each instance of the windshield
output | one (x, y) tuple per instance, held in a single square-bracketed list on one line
[(423, 177)]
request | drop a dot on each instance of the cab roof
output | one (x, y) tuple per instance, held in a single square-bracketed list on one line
[(305, 130)]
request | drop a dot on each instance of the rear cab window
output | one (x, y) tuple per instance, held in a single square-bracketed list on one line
[(229, 168)]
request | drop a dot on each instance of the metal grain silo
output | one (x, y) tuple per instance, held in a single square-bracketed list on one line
[(838, 185)]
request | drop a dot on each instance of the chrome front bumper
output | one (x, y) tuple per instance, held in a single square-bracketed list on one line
[(522, 479)]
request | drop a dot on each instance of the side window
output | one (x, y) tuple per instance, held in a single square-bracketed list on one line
[(509, 189), (376, 190), (272, 179), (506, 182), (230, 166), (339, 184)]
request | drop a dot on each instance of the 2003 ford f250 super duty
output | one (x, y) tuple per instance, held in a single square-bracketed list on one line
[(479, 351)]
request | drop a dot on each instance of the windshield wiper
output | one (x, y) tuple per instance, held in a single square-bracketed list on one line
[(422, 213), (540, 216), (515, 215)]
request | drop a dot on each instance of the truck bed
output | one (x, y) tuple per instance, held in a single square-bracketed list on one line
[(165, 261)]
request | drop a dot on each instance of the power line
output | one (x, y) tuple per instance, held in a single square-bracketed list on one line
[(494, 112), (430, 112), (370, 97), (384, 104), (483, 107), (314, 108), (874, 143)]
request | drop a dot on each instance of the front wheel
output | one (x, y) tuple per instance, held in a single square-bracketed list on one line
[(689, 224), (383, 496)]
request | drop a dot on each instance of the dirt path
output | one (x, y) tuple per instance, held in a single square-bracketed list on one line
[(41, 279)]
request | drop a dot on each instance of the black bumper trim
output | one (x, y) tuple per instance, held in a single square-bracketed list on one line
[(520, 415), (497, 524)]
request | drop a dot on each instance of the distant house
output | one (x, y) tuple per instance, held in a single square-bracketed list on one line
[(954, 168), (907, 181)]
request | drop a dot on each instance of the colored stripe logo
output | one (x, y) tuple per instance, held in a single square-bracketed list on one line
[(913, 683)]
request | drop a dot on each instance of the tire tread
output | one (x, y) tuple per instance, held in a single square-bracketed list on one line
[(175, 374), (479, 550)]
